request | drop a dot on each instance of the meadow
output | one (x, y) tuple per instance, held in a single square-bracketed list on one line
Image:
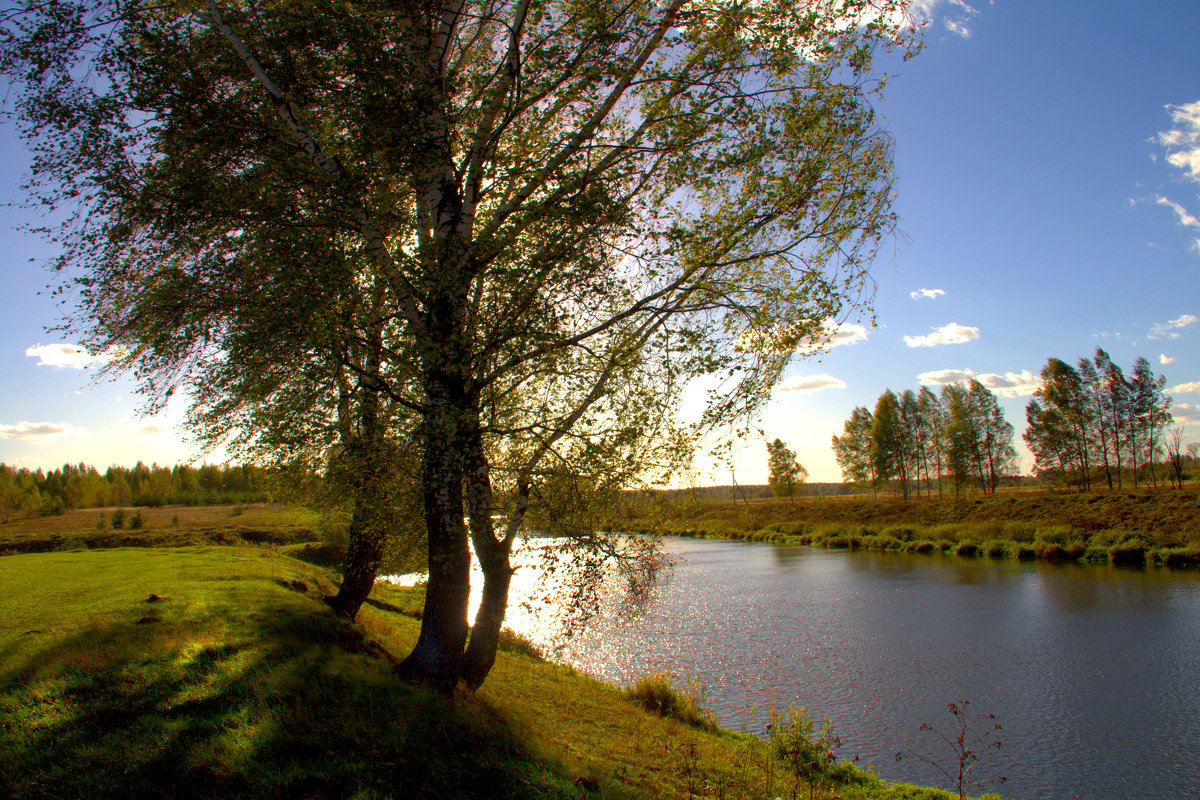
[(153, 662)]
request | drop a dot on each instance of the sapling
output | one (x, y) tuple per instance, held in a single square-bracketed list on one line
[(809, 758), (967, 749)]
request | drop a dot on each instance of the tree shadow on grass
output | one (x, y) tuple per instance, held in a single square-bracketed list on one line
[(288, 701)]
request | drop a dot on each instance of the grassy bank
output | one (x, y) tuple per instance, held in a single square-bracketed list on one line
[(164, 526), (1131, 527), (219, 671)]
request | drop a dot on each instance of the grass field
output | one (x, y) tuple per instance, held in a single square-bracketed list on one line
[(159, 527), (207, 671)]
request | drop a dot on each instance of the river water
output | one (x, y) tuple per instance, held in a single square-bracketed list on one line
[(1092, 672)]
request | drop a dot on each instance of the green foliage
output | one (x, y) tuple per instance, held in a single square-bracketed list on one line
[(137, 520), (785, 473), (118, 519), (809, 755)]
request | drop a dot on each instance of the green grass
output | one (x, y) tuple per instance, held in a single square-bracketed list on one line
[(242, 683), (164, 526)]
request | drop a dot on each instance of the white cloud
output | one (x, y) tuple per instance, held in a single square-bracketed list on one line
[(1182, 142), (1185, 388), (947, 334), (932, 294), (1184, 413), (39, 431), (810, 383), (833, 334), (147, 429), (1186, 218), (1171, 328), (1010, 384), (957, 16), (1164, 359), (64, 354)]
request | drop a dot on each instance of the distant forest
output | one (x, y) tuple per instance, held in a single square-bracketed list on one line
[(36, 493)]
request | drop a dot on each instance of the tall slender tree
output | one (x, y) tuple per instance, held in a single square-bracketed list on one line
[(853, 448), (933, 435), (888, 442)]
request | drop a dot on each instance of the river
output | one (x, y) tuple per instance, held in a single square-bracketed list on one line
[(1093, 672)]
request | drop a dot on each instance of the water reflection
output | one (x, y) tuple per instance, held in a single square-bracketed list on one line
[(1090, 670)]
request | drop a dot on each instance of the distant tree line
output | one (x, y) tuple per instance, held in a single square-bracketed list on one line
[(914, 441), (81, 486), (1090, 424)]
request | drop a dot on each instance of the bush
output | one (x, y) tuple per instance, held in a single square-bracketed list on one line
[(966, 549), (1023, 552), (137, 520), (118, 519), (809, 758), (1130, 551), (1180, 557), (657, 694), (995, 548)]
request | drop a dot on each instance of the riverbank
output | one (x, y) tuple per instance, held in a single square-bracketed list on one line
[(1131, 527), (219, 671)]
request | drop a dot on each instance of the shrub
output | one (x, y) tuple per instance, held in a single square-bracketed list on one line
[(923, 546), (1023, 552), (995, 548), (1180, 557), (657, 694), (137, 520), (809, 758), (966, 549), (1130, 551), (118, 519)]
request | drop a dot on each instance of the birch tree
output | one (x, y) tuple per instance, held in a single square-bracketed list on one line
[(556, 204), (853, 448)]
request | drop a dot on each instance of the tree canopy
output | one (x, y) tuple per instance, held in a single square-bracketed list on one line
[(510, 231)]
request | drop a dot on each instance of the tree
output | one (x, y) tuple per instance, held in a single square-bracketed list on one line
[(785, 473), (853, 448), (913, 448), (1116, 404), (1175, 455), (1150, 415), (888, 442), (563, 207), (933, 435), (998, 457), (1058, 432)]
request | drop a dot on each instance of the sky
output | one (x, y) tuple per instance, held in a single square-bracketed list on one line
[(1048, 192)]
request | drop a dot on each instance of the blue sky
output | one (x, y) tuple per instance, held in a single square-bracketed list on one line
[(1048, 162)]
